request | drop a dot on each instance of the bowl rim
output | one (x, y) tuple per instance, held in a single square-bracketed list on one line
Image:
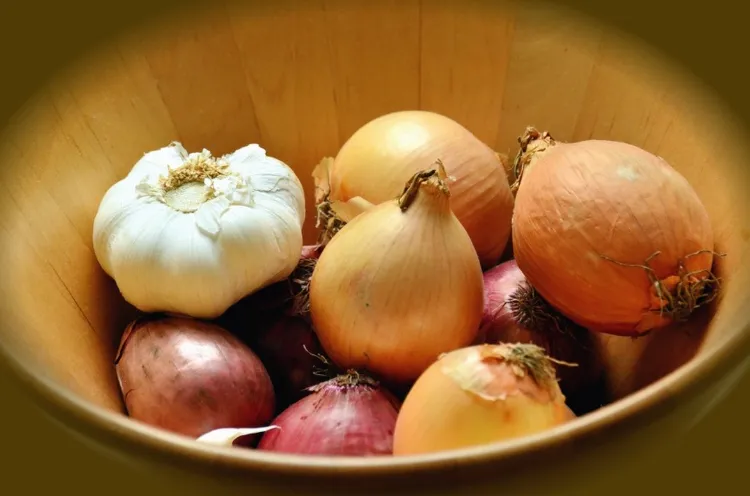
[(110, 428)]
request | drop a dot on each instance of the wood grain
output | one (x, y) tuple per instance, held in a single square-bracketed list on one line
[(464, 62), (550, 62)]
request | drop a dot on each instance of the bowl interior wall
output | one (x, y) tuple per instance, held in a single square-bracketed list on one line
[(300, 82)]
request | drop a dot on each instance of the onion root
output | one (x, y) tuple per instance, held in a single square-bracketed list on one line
[(677, 296)]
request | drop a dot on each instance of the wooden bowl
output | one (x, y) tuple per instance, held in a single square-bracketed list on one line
[(300, 82)]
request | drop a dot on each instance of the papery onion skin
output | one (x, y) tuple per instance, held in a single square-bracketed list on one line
[(345, 416), (514, 313), (394, 289), (191, 377), (473, 396), (585, 209), (384, 153)]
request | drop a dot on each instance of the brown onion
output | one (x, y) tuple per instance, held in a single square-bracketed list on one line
[(349, 415), (515, 313), (611, 235), (399, 284), (379, 157), (191, 377), (480, 395)]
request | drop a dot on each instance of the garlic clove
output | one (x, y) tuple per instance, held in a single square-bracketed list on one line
[(208, 215), (227, 436)]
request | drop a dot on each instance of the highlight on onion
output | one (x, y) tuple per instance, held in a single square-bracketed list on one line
[(515, 313), (191, 377), (348, 415), (478, 395), (385, 152), (611, 235), (398, 285)]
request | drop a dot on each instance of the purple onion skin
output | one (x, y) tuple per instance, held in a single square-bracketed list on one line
[(568, 342), (336, 420), (498, 323), (190, 377), (288, 350)]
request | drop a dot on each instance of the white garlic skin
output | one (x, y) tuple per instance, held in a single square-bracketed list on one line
[(227, 436), (199, 264)]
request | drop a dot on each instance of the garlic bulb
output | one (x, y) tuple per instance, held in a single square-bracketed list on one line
[(192, 234)]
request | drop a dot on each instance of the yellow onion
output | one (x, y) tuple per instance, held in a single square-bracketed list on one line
[(384, 153), (478, 395), (398, 285), (611, 235)]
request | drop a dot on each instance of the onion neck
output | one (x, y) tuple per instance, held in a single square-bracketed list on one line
[(350, 379), (427, 189), (533, 144), (476, 372)]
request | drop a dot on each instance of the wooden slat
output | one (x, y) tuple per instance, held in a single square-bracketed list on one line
[(464, 63), (550, 61)]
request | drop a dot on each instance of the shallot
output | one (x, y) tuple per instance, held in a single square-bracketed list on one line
[(191, 377)]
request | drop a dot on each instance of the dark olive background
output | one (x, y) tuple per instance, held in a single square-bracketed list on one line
[(37, 37)]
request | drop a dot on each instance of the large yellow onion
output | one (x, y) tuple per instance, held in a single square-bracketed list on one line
[(398, 285), (383, 154), (611, 235), (479, 395)]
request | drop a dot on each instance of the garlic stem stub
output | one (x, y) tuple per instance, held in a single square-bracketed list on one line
[(191, 234)]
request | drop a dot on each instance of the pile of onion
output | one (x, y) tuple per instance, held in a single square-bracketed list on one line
[(398, 285), (515, 313), (349, 415), (610, 235), (384, 153), (479, 395), (191, 377)]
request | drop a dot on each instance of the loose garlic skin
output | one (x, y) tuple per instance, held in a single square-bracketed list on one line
[(191, 234)]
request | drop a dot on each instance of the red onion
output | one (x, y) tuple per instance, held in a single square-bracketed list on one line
[(191, 377), (349, 415), (515, 313), (261, 309), (292, 355)]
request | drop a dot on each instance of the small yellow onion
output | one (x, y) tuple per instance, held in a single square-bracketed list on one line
[(478, 395), (384, 153), (398, 285)]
